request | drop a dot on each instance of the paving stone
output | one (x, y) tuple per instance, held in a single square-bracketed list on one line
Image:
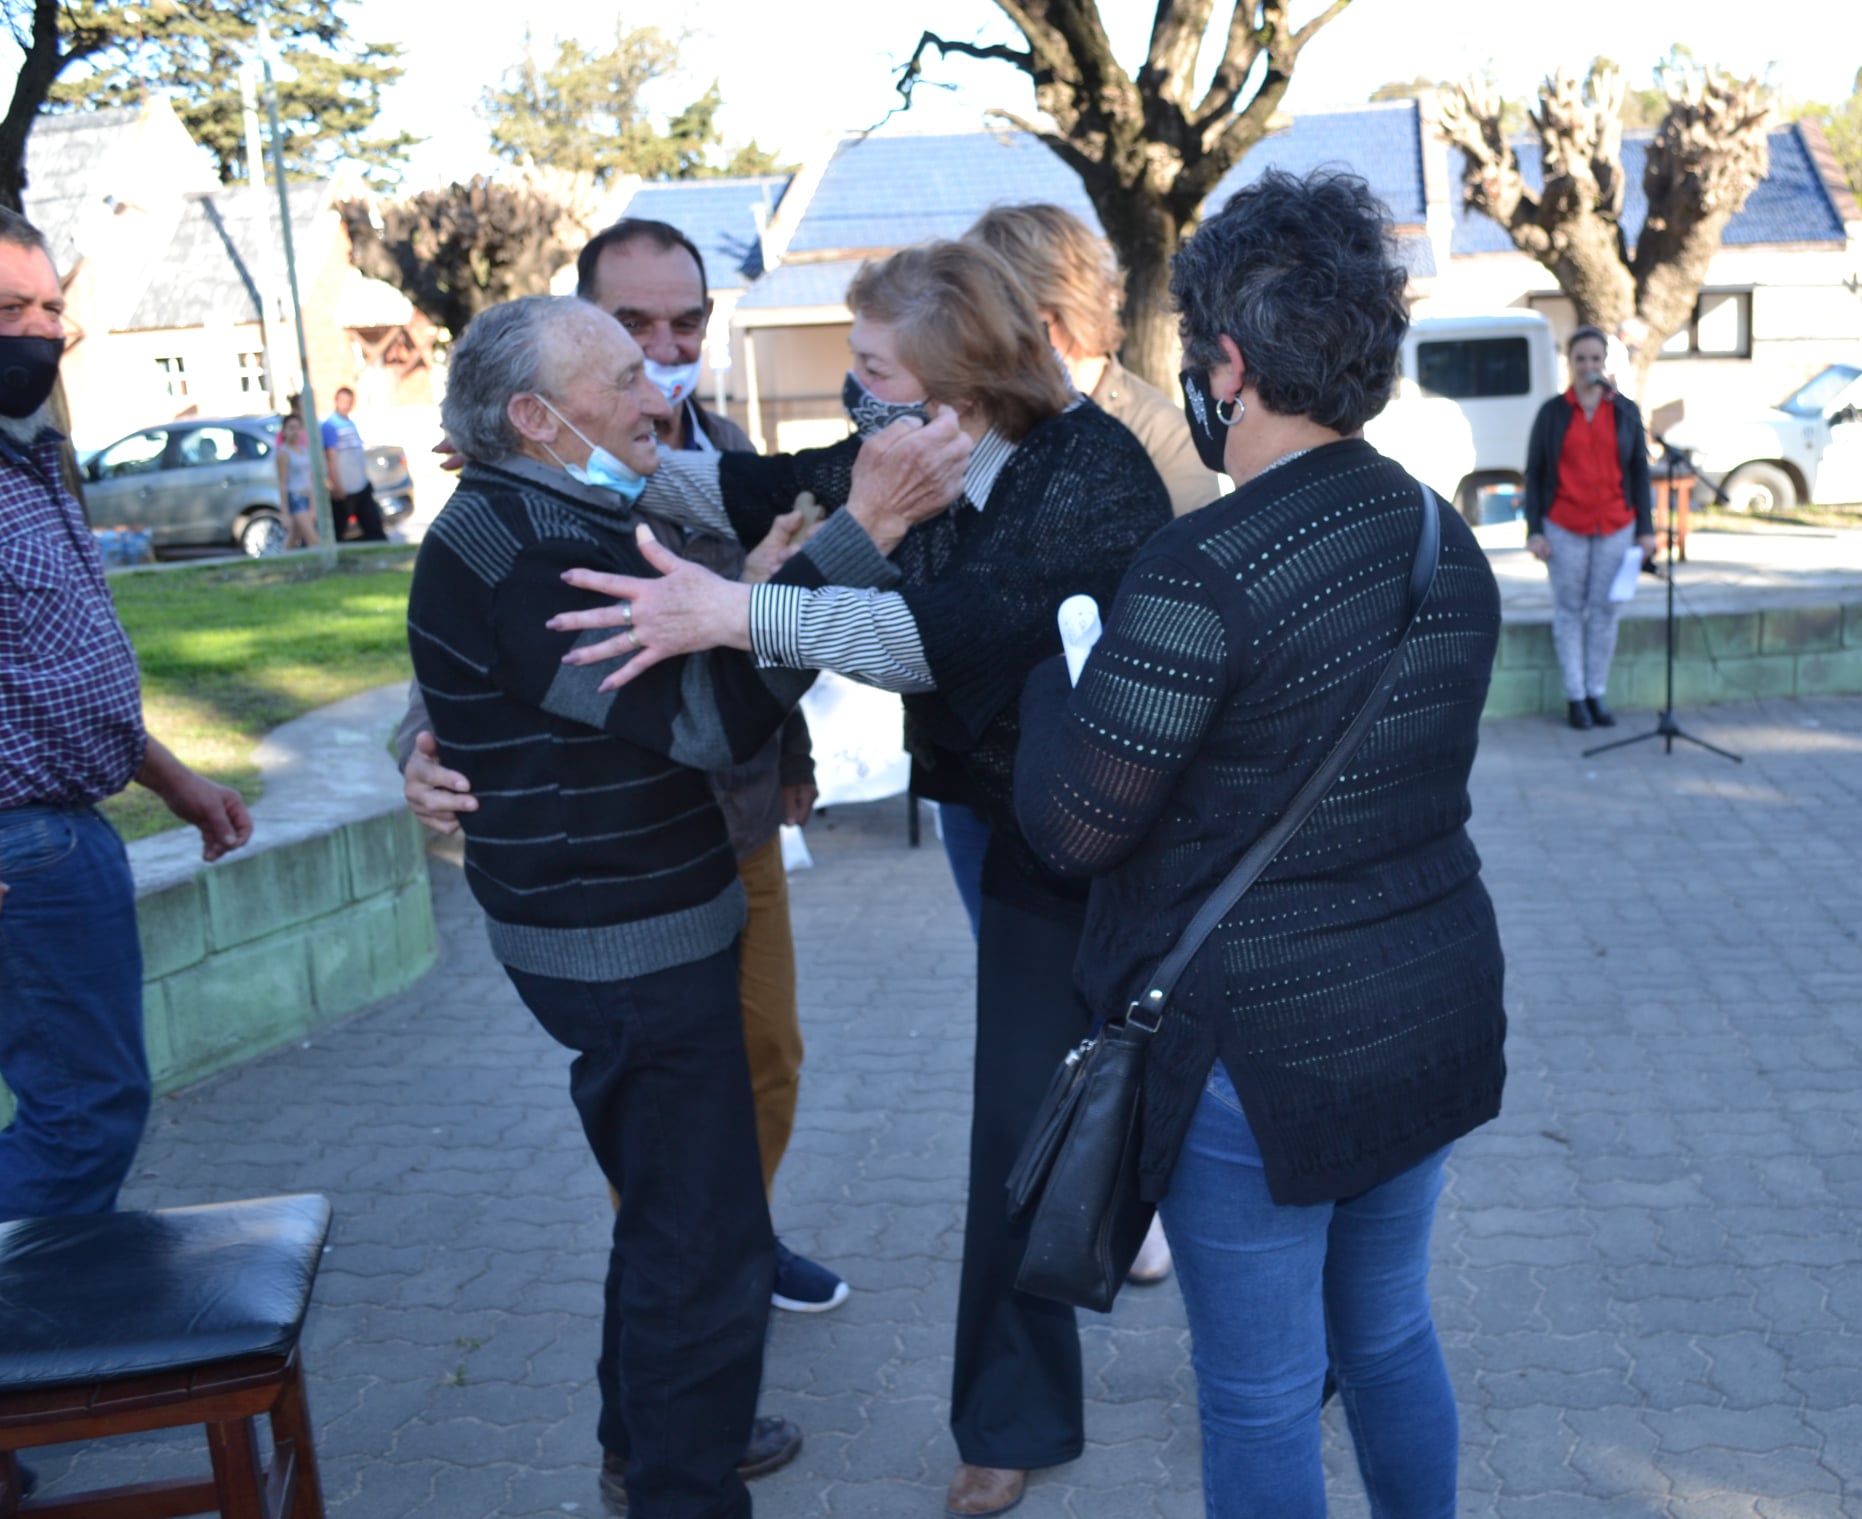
[(1647, 1278)]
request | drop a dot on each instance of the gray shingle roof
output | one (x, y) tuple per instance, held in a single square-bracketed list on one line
[(66, 159), (790, 285), (207, 272), (719, 216), (885, 192), (1790, 205)]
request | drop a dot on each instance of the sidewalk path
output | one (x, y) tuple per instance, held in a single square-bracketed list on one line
[(1649, 1270)]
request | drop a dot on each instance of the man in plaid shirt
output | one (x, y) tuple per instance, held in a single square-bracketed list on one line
[(71, 734)]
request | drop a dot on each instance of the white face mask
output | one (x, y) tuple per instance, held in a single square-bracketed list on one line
[(603, 470), (675, 381)]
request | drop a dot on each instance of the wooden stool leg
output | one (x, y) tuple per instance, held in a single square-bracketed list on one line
[(237, 1476), (291, 1424)]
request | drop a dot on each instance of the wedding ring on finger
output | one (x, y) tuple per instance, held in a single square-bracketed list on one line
[(627, 614), (633, 639)]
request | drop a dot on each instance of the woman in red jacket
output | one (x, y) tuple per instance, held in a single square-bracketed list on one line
[(1587, 498)]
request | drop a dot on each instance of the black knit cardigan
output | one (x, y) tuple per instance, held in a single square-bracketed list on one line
[(1067, 514), (1354, 994)]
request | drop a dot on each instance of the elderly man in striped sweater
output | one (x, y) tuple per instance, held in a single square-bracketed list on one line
[(602, 863)]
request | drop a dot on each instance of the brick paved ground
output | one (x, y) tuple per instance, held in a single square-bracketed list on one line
[(1649, 1275)]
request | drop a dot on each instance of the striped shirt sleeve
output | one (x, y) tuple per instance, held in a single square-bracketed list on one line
[(866, 635)]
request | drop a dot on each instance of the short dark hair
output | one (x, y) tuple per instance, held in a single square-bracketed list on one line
[(345, 390), (1586, 331), (663, 235), (1303, 274), (15, 229)]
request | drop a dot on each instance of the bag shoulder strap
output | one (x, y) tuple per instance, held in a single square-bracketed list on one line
[(1149, 1009)]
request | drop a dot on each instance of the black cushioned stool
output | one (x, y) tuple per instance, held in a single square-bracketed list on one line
[(120, 1323)]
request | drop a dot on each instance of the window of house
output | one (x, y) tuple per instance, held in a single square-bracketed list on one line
[(174, 375), (1720, 328), (252, 379), (1463, 369)]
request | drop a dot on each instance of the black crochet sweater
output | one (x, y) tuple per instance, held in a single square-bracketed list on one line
[(1069, 510), (1354, 993)]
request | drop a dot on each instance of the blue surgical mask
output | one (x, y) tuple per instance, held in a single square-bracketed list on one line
[(676, 382), (603, 470), (869, 414)]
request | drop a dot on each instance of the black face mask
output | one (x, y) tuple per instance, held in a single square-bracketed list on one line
[(28, 371), (869, 414), (1207, 429)]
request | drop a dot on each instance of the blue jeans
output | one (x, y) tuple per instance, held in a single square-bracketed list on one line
[(71, 1046), (1263, 1283), (662, 1086), (966, 839)]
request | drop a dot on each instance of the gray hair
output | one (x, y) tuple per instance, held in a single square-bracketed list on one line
[(1302, 273), (501, 355), (15, 229)]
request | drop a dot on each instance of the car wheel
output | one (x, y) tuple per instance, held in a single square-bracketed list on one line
[(1761, 488), (262, 535)]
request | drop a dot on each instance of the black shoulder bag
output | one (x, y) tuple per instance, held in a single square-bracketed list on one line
[(1076, 1179)]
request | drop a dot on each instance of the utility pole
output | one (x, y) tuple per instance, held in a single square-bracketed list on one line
[(319, 478), (264, 274)]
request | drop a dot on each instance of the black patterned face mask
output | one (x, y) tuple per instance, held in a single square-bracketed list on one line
[(869, 414)]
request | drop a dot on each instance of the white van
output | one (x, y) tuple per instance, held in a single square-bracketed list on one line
[(1463, 411)]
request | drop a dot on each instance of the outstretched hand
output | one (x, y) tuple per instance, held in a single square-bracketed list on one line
[(684, 610), (907, 474)]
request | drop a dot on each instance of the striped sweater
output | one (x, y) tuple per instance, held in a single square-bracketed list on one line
[(597, 851)]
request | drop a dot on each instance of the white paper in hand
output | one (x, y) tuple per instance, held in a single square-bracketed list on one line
[(1079, 631), (1623, 588)]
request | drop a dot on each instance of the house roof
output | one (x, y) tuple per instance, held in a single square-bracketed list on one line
[(67, 157), (1381, 142), (1791, 204), (885, 192), (223, 244), (719, 215), (791, 285)]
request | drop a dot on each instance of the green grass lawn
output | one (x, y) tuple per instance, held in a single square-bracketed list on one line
[(229, 650)]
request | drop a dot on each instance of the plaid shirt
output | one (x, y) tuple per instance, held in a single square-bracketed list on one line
[(70, 698)]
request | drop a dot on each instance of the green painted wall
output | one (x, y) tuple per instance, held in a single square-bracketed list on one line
[(263, 948), (1719, 657)]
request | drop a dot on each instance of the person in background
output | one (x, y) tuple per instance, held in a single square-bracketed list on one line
[(294, 483), (1587, 501), (71, 734), (351, 495), (650, 278), (1344, 1024)]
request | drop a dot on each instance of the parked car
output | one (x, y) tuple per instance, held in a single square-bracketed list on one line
[(1806, 448), (1465, 401), (213, 483)]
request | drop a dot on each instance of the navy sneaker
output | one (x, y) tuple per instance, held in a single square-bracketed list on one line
[(804, 1287)]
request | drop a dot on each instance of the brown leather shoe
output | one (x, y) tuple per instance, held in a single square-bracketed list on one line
[(983, 1490)]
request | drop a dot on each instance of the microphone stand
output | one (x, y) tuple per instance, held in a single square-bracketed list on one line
[(1666, 728)]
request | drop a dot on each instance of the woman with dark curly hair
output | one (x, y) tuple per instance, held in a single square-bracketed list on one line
[(1343, 1025)]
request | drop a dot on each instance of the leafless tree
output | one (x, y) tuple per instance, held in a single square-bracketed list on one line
[(1148, 149), (1709, 152)]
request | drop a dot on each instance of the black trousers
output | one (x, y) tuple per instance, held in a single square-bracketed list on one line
[(1016, 1398), (663, 1090), (365, 509)]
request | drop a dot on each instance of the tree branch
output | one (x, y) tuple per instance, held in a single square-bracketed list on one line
[(41, 66), (911, 72), (1176, 42)]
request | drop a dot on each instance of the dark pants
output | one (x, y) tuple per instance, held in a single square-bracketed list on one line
[(71, 1046), (367, 512), (663, 1090), (1016, 1398)]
